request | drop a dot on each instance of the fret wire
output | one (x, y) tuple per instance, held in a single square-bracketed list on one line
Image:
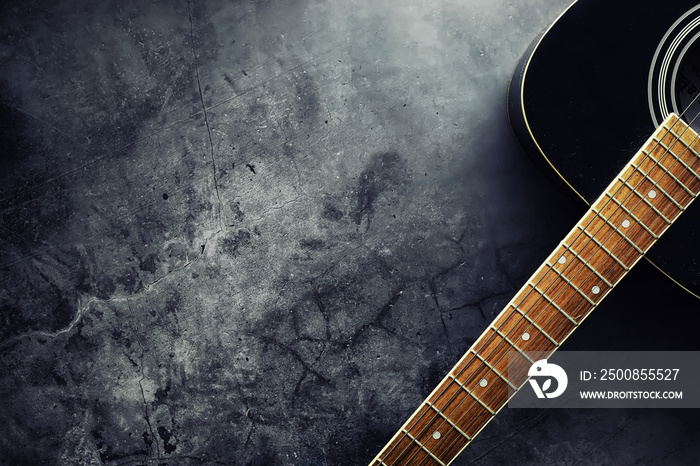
[(625, 269), (422, 448), (611, 255), (616, 230), (539, 349), (631, 214), (507, 340), (592, 237), (589, 267), (576, 288), (686, 147), (460, 402), (461, 385), (628, 212), (585, 262), (492, 368), (600, 214), (532, 322), (629, 241), (646, 201), (662, 167), (555, 305), (654, 183), (600, 245), (447, 419), (667, 172), (679, 159)]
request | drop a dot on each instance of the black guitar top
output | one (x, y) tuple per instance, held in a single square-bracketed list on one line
[(594, 86)]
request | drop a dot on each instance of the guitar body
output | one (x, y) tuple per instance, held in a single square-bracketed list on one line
[(596, 102), (634, 62)]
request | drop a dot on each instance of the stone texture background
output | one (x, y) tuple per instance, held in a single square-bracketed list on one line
[(257, 232)]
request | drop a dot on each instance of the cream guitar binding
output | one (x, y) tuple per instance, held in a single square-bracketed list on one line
[(635, 209)]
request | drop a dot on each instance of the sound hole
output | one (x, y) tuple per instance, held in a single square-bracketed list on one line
[(688, 86)]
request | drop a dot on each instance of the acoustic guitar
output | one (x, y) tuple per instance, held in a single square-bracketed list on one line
[(604, 80)]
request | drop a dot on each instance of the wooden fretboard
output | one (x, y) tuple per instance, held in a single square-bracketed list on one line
[(619, 228)]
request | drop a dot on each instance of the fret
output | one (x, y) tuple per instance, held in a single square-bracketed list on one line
[(634, 191), (441, 439), (507, 340), (422, 447), (448, 421), (472, 394), (627, 193), (632, 253), (555, 305), (645, 178), (539, 329), (560, 268), (597, 253), (655, 172), (457, 404), (655, 185), (555, 323), (666, 146), (611, 214), (687, 169), (625, 253), (512, 327), (464, 410), (640, 220), (399, 448), (470, 374), (679, 138), (687, 142), (493, 351), (600, 247), (667, 172), (491, 368), (630, 214), (569, 288), (572, 285), (634, 245), (686, 147)]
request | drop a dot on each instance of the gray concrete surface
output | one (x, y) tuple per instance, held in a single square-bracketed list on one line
[(258, 233)]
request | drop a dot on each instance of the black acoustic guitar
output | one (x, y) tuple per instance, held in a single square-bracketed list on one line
[(631, 62), (607, 79)]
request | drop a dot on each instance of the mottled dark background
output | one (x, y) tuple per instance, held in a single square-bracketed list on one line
[(260, 233)]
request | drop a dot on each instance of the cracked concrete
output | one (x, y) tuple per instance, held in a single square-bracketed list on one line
[(261, 232)]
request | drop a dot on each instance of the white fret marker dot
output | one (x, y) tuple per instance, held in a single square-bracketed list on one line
[(436, 435), (652, 194), (595, 289), (526, 336), (562, 259), (484, 382), (625, 223)]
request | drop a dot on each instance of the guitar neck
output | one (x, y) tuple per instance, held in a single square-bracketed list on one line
[(646, 197)]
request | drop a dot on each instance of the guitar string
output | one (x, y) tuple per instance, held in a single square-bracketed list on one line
[(560, 273), (614, 229), (585, 263), (589, 240)]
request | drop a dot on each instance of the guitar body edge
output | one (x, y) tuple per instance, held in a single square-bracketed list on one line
[(555, 100)]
